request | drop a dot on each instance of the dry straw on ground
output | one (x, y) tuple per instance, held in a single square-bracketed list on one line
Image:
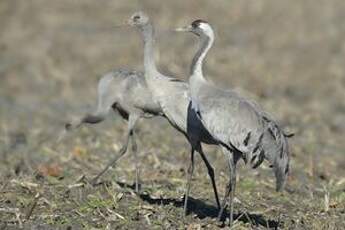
[(288, 54)]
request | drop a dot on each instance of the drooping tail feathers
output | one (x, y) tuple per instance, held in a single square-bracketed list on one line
[(274, 147), (280, 157)]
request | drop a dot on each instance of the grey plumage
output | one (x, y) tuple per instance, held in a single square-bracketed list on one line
[(240, 126), (126, 92), (129, 94), (173, 97)]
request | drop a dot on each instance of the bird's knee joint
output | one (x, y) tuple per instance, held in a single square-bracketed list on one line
[(123, 150), (211, 172), (190, 169), (68, 126), (134, 147)]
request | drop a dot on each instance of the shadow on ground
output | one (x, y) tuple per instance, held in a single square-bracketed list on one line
[(203, 210)]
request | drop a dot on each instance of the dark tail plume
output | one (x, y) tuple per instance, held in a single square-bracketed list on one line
[(282, 159), (277, 153)]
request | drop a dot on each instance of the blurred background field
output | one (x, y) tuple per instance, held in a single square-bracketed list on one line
[(288, 55)]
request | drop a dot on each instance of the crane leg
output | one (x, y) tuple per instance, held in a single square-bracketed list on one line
[(210, 172), (232, 191), (131, 123), (189, 179), (231, 187), (103, 107), (223, 206), (135, 152), (88, 118), (122, 152)]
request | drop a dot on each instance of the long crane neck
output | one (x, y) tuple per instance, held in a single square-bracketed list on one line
[(197, 63), (149, 59)]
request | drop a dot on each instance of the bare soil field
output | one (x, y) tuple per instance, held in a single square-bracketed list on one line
[(287, 55)]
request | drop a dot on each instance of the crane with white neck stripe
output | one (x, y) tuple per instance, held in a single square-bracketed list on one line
[(241, 128), (173, 97)]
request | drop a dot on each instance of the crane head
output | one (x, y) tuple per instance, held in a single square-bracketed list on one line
[(198, 27), (138, 19)]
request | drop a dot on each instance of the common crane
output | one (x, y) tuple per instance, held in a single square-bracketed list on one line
[(240, 126), (173, 97), (126, 92)]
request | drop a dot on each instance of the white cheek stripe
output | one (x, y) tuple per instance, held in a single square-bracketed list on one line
[(207, 29)]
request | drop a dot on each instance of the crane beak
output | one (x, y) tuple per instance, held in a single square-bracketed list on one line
[(184, 29), (124, 24)]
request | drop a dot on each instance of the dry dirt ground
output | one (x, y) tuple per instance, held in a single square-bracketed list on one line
[(290, 56)]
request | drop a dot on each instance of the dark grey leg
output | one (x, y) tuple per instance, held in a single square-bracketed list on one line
[(189, 180), (122, 152), (210, 171), (106, 99), (231, 187), (232, 165), (131, 123), (135, 152), (227, 192), (91, 119)]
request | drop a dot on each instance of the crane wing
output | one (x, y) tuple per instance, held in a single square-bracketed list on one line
[(229, 118)]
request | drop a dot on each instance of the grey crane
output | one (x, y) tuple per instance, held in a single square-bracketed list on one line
[(173, 97), (124, 91), (240, 126), (127, 92)]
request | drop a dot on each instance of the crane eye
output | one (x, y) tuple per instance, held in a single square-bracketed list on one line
[(195, 25)]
